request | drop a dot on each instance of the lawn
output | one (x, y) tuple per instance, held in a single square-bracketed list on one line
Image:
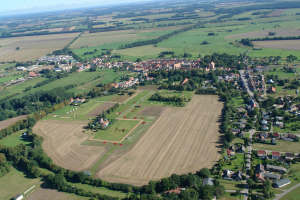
[(266, 52), (117, 131), (238, 101), (230, 196), (14, 139), (280, 74), (283, 146), (232, 185), (287, 128), (8, 65), (236, 164), (16, 182)]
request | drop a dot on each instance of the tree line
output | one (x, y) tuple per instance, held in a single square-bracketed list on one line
[(276, 38), (32, 102)]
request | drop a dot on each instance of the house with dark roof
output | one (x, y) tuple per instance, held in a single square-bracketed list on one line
[(282, 182), (289, 156), (238, 176), (242, 134), (259, 168), (273, 140), (241, 149), (208, 181)]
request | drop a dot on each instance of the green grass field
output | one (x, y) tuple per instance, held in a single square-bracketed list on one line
[(16, 182), (238, 101), (14, 139), (101, 190), (283, 146), (9, 78), (231, 185), (236, 164), (114, 132), (76, 115), (287, 129), (8, 65)]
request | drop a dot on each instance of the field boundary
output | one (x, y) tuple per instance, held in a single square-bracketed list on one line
[(124, 136)]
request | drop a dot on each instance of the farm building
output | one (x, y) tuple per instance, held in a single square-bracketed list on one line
[(272, 90), (282, 182), (276, 168), (18, 197)]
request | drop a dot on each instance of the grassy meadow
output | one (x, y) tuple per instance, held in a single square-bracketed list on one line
[(14, 139)]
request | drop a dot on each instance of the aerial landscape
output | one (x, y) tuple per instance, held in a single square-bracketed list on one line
[(150, 100)]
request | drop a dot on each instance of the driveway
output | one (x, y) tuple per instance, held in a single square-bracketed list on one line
[(287, 191)]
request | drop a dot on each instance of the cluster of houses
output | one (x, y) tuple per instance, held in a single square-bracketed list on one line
[(29, 68), (261, 173), (77, 100), (132, 81), (275, 155), (57, 59), (256, 82), (21, 79)]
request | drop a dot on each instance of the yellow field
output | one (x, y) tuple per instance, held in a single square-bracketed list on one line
[(32, 47)]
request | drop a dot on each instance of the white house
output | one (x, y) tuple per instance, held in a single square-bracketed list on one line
[(18, 197)]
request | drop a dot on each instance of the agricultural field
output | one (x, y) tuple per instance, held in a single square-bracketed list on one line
[(276, 12), (279, 44), (265, 33), (62, 142), (8, 122), (100, 109), (169, 147), (9, 78), (32, 48), (15, 139)]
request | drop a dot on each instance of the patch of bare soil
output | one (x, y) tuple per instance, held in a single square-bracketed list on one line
[(276, 12), (100, 109), (151, 111), (8, 122), (279, 44), (265, 33)]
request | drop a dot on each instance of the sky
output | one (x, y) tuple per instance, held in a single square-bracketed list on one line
[(9, 7)]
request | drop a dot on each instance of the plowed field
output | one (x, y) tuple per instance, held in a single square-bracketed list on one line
[(62, 141), (181, 140)]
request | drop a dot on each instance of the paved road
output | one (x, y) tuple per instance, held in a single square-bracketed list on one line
[(287, 191), (134, 104), (246, 83)]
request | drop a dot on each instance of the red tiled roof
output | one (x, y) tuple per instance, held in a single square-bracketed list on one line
[(261, 152), (274, 153)]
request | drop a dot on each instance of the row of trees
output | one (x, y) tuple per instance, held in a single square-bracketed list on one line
[(34, 102), (159, 97)]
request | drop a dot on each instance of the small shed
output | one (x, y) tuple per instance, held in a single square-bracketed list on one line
[(282, 182), (18, 197)]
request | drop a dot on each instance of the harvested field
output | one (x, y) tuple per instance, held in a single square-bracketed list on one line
[(119, 98), (53, 29), (181, 140), (32, 47), (8, 122), (62, 141), (279, 44), (265, 33), (276, 12), (151, 111), (149, 87), (100, 109)]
